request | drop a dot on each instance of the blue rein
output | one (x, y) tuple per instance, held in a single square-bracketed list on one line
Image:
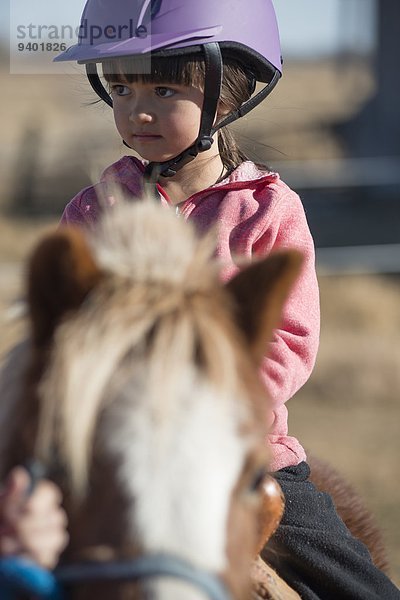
[(18, 575)]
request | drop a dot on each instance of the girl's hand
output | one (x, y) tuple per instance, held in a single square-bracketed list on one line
[(34, 526)]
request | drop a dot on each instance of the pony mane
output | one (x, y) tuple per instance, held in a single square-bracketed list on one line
[(128, 242), (148, 331)]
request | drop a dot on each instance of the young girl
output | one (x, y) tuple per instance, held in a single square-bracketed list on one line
[(177, 72)]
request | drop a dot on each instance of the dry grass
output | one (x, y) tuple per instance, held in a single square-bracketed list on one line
[(17, 237), (349, 411)]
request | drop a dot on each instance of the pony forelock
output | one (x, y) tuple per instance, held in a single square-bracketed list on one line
[(155, 316)]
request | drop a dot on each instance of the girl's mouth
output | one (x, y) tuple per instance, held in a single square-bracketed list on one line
[(146, 137)]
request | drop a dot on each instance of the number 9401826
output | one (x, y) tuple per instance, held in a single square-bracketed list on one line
[(42, 47)]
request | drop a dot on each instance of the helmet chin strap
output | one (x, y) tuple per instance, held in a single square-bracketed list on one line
[(204, 141)]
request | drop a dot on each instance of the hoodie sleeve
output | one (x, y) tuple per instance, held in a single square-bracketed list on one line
[(84, 209), (291, 355), (123, 178)]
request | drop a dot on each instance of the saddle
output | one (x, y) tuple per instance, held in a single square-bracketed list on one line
[(267, 585)]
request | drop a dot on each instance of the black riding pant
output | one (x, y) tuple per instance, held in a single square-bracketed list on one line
[(314, 552)]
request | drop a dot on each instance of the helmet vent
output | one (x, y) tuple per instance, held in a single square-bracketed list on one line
[(155, 8), (149, 10)]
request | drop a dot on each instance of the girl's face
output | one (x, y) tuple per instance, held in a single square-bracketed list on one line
[(157, 120)]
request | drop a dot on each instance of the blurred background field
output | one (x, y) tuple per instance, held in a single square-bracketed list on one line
[(332, 129)]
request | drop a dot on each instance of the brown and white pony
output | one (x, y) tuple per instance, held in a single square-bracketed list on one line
[(137, 389)]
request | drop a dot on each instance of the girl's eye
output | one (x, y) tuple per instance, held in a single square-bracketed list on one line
[(120, 90), (164, 92)]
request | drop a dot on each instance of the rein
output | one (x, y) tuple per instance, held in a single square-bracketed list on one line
[(18, 575), (144, 567)]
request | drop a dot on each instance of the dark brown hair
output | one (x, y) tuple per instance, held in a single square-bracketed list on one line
[(189, 70)]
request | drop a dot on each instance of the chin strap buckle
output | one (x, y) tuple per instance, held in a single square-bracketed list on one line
[(168, 172), (204, 143), (169, 168)]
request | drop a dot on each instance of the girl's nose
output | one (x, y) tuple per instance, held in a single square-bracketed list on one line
[(140, 116)]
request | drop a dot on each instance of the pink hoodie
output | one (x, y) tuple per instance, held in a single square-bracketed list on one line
[(256, 213)]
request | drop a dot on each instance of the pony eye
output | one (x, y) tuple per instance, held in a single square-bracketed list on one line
[(258, 479)]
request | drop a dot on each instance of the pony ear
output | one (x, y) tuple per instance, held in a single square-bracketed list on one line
[(259, 292), (61, 273)]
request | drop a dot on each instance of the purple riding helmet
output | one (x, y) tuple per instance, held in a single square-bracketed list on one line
[(244, 31)]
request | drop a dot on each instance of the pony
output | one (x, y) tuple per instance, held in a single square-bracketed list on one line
[(137, 389)]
